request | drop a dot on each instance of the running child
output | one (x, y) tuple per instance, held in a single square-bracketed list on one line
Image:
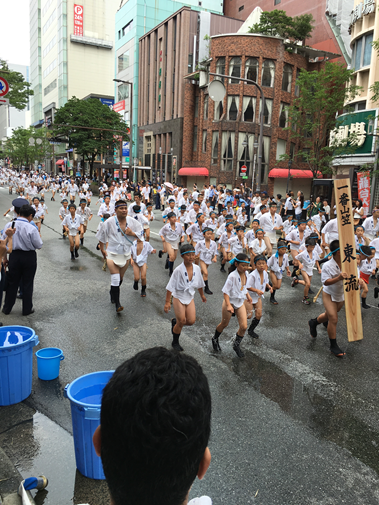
[(85, 214), (278, 263), (236, 301), (257, 283), (307, 260), (223, 244), (238, 243), (206, 250), (63, 212), (149, 215), (171, 234), (72, 225), (185, 279), (140, 252), (257, 247), (366, 267)]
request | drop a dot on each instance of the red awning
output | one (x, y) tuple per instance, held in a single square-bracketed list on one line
[(282, 173), (60, 162), (194, 171)]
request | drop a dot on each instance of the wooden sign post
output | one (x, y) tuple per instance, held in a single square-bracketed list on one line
[(348, 252)]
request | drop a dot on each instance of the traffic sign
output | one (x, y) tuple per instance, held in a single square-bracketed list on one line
[(4, 101), (4, 86), (245, 177), (244, 169)]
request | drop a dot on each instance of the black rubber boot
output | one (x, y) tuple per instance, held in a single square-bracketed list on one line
[(175, 338), (72, 255), (253, 325), (216, 345), (236, 346), (312, 323), (166, 264), (111, 294), (376, 292), (82, 241), (143, 291), (135, 285), (272, 298), (334, 349), (222, 269), (207, 290), (116, 296), (160, 254), (76, 253), (364, 304), (170, 267)]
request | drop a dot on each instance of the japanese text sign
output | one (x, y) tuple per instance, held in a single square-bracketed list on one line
[(78, 20), (363, 179), (344, 206)]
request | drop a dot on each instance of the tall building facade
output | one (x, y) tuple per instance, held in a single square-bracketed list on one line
[(332, 17), (169, 52), (134, 20)]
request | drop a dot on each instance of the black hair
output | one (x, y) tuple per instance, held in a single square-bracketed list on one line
[(281, 243), (259, 258), (120, 202), (241, 257), (185, 248), (72, 205), (279, 196), (365, 249), (198, 203), (310, 241), (27, 210), (171, 214), (137, 194), (155, 427), (334, 245), (106, 216)]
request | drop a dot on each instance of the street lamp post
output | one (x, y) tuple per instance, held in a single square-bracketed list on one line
[(216, 97), (245, 144), (131, 119), (289, 173)]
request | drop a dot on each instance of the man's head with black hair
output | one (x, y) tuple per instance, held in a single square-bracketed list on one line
[(154, 430), (26, 211)]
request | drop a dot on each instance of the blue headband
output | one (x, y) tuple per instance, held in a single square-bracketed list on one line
[(361, 252), (231, 262), (332, 252), (279, 247), (187, 252)]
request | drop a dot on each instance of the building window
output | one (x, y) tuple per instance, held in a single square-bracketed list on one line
[(251, 69), (49, 46), (287, 78), (50, 68), (220, 67), (235, 69), (233, 104), (361, 55), (283, 115), (219, 111), (268, 73), (123, 61), (305, 153), (277, 2), (204, 143), (281, 147), (297, 87), (50, 87), (122, 92), (267, 113), (125, 29), (292, 150), (241, 8), (265, 159), (197, 106), (214, 148), (245, 152), (195, 138), (227, 151), (205, 116), (248, 109)]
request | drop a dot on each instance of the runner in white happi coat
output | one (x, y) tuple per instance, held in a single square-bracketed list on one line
[(140, 252), (206, 250), (257, 282), (172, 233), (271, 222), (72, 224)]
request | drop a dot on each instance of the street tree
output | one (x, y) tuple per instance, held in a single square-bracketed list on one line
[(322, 95), (277, 23), (19, 89), (28, 145), (90, 128)]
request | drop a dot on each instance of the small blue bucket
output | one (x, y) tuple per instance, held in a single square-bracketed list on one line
[(85, 398), (48, 362), (16, 363)]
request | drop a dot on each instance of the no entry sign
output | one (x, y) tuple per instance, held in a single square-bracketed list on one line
[(244, 169), (4, 86)]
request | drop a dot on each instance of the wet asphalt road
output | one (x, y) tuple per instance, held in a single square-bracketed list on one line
[(291, 423)]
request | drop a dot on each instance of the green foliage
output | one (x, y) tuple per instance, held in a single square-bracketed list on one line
[(19, 89), (277, 23), (24, 151), (89, 114), (322, 95)]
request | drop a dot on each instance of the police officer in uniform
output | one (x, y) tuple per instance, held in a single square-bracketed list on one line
[(22, 264)]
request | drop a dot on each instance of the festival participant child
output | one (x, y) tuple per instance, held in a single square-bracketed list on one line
[(212, 222), (171, 208), (44, 207), (258, 246), (366, 267), (332, 296), (85, 214), (149, 215), (360, 238), (192, 213), (236, 301), (222, 218), (296, 237), (183, 282), (72, 225), (138, 216), (257, 283), (106, 207), (375, 243), (63, 212), (277, 263), (223, 244), (195, 231), (238, 243), (287, 225), (242, 218), (183, 217), (39, 213), (206, 250), (172, 234), (140, 251), (307, 260)]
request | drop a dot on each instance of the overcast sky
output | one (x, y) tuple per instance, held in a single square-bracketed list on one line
[(15, 31)]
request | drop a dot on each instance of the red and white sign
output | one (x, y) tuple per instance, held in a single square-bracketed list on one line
[(364, 190), (4, 86), (78, 20), (119, 106), (243, 169)]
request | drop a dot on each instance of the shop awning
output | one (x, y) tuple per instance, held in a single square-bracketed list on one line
[(282, 173), (60, 162), (193, 171)]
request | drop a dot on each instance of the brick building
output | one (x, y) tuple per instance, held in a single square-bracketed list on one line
[(221, 137), (166, 54)]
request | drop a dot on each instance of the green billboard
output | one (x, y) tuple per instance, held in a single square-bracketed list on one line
[(355, 131)]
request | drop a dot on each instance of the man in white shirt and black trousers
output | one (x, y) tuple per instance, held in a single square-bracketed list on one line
[(22, 261)]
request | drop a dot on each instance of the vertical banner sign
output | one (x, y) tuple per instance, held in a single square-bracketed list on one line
[(348, 259), (78, 20), (364, 190)]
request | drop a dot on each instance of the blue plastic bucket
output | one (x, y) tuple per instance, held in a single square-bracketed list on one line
[(16, 363), (85, 398), (48, 362)]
